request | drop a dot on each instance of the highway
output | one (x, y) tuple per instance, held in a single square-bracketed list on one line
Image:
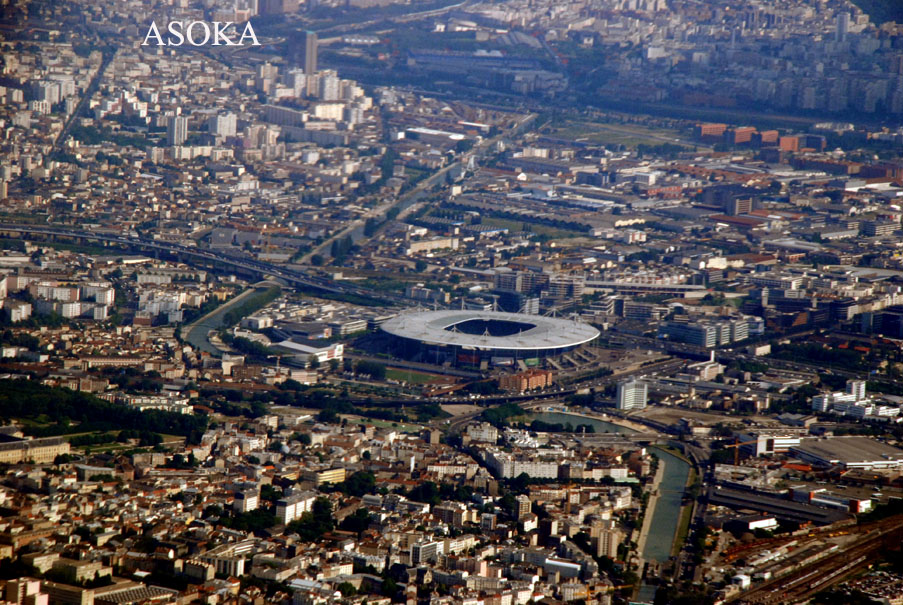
[(85, 98), (534, 400), (289, 276), (736, 352), (415, 16), (416, 366)]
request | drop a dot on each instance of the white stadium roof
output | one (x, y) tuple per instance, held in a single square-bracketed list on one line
[(437, 328)]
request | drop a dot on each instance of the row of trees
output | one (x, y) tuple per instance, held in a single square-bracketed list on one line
[(255, 302), (499, 415), (145, 438), (556, 427), (246, 346), (341, 248), (26, 399), (373, 369)]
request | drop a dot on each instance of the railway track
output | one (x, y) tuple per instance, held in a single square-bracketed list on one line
[(821, 574)]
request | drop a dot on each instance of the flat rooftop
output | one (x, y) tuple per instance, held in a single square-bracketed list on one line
[(849, 450), (779, 507)]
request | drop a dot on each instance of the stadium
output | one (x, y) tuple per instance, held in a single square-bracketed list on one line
[(483, 337)]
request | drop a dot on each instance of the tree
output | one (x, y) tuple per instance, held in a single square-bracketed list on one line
[(420, 266), (269, 493), (327, 415), (389, 588), (464, 145), (499, 415), (357, 522), (483, 387), (253, 521), (291, 384), (358, 484), (312, 525), (375, 370), (258, 409), (425, 492), (312, 362), (520, 483), (347, 589)]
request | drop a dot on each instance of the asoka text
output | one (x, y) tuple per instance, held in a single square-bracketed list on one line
[(199, 33)]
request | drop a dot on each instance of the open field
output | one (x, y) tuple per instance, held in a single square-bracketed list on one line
[(629, 135), (410, 376), (460, 409), (513, 225), (385, 424)]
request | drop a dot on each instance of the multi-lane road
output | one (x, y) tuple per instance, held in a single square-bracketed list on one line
[(356, 229), (242, 263), (85, 99)]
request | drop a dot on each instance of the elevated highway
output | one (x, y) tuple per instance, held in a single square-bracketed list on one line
[(241, 263)]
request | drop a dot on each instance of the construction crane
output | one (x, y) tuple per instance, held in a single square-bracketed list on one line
[(266, 236), (611, 589), (737, 444)]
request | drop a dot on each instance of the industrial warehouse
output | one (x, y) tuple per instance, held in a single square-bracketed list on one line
[(850, 453)]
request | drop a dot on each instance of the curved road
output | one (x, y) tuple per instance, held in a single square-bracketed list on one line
[(263, 269)]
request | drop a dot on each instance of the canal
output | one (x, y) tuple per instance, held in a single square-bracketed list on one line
[(197, 333), (666, 515), (600, 426)]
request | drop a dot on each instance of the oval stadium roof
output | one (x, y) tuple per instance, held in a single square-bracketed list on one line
[(533, 332)]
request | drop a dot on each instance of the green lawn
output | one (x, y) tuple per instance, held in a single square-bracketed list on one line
[(629, 135), (409, 376), (399, 426), (686, 512), (168, 441), (683, 529), (15, 217), (85, 248)]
